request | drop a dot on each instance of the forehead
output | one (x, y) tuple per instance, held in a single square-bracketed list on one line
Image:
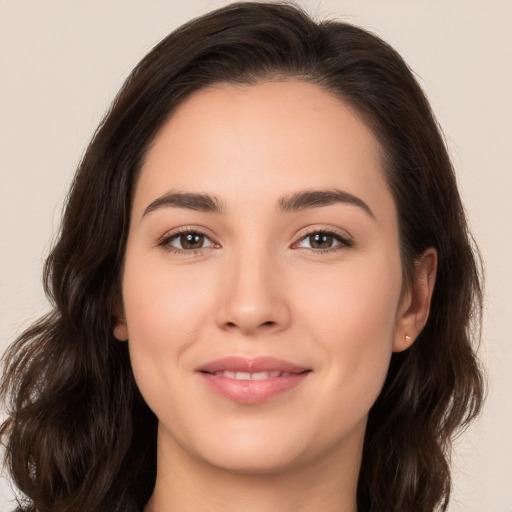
[(244, 141)]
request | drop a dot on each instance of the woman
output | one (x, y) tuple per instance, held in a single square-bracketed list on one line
[(263, 287)]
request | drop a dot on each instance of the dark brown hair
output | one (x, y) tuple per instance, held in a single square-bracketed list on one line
[(79, 436)]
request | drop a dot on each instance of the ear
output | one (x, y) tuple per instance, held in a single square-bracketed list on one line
[(415, 306), (120, 327)]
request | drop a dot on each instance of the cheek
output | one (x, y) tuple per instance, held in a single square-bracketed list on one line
[(352, 315), (161, 304), (166, 312), (357, 297)]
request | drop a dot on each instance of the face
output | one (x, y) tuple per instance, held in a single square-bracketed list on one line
[(262, 278)]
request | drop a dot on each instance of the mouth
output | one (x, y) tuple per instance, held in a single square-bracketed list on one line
[(252, 381)]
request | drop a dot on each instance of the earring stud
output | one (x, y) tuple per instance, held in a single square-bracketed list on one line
[(408, 339)]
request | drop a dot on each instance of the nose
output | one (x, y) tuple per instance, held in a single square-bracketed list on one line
[(253, 296)]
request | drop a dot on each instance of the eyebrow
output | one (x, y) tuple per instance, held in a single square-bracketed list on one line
[(192, 201), (318, 198), (297, 201)]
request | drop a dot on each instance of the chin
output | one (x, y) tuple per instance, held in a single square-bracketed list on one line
[(276, 449), (250, 451), (255, 462)]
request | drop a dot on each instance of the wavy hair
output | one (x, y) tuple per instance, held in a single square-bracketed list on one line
[(79, 435)]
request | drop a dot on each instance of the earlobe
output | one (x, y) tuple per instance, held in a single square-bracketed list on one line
[(121, 330), (416, 304)]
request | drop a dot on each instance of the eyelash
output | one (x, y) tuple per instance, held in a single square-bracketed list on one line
[(344, 242), (165, 242)]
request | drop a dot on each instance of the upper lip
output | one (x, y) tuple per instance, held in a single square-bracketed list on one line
[(251, 365)]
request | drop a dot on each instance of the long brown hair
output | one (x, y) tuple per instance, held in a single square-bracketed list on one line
[(79, 435)]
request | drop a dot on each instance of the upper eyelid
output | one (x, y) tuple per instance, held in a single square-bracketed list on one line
[(341, 233), (333, 230), (172, 233), (345, 241), (309, 231)]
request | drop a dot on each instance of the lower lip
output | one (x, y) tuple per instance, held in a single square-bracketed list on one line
[(253, 391)]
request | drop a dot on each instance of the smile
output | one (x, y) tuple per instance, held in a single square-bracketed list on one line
[(251, 381)]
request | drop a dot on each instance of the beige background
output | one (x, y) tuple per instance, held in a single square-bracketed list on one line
[(61, 62)]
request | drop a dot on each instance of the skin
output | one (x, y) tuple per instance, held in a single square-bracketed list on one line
[(260, 286)]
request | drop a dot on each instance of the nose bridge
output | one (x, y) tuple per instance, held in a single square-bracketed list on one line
[(253, 295)]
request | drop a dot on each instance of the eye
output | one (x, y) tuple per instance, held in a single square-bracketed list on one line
[(323, 241), (186, 241)]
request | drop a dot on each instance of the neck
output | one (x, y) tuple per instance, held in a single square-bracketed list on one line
[(186, 484)]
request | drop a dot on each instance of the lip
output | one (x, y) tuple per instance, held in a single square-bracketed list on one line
[(252, 391)]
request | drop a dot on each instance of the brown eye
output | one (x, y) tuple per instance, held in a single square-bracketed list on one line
[(321, 241), (190, 241)]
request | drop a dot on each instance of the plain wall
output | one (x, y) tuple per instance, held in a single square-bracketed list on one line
[(61, 63)]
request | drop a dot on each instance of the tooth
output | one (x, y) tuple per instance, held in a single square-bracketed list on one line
[(264, 375), (259, 376), (251, 376)]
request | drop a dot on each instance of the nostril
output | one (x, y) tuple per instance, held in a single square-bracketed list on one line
[(269, 323)]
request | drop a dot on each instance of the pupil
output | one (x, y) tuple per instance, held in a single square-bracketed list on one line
[(192, 241), (321, 241)]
